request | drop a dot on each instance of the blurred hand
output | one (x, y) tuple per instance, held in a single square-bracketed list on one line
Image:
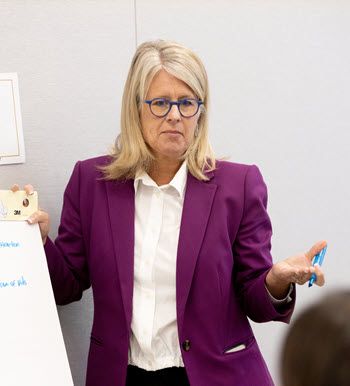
[(39, 217), (295, 269)]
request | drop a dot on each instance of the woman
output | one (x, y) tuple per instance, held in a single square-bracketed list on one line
[(316, 350), (175, 244)]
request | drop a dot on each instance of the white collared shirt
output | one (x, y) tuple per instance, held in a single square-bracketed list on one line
[(154, 341)]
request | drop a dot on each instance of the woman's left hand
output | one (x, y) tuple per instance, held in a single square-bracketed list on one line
[(295, 269)]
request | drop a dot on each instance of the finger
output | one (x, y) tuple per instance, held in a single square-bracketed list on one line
[(320, 280), (15, 188), (29, 189), (302, 277), (38, 217), (315, 249)]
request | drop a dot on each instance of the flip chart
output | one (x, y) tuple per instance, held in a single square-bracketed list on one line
[(32, 348)]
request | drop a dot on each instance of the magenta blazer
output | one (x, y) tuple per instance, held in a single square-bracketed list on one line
[(222, 260)]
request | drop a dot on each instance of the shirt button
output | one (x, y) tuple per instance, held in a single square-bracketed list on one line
[(186, 345)]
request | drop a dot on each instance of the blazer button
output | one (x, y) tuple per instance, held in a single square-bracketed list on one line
[(186, 345)]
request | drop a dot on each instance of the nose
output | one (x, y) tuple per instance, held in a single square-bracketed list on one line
[(173, 114)]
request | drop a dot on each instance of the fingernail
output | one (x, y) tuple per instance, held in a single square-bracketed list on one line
[(29, 220), (29, 189)]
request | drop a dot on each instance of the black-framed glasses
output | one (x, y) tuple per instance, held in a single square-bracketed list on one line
[(160, 107)]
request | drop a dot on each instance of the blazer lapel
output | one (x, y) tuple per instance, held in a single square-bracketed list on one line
[(121, 202), (196, 210)]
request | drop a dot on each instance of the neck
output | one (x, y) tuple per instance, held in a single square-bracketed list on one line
[(163, 172)]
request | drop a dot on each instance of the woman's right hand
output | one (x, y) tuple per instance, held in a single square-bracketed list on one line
[(39, 217)]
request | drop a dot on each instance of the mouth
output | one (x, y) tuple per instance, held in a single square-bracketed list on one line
[(172, 132)]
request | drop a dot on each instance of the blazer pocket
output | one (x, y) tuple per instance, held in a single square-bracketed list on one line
[(239, 347)]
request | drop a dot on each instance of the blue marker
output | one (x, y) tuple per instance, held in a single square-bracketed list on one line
[(318, 259)]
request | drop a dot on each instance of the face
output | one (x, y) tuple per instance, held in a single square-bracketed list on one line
[(168, 137)]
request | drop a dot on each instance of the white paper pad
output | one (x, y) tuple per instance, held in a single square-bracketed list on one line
[(32, 347)]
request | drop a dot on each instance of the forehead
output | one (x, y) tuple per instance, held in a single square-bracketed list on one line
[(167, 85)]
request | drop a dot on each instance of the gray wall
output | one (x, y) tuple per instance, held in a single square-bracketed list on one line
[(280, 82)]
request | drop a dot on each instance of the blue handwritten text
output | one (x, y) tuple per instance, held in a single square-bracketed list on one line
[(14, 283), (9, 244)]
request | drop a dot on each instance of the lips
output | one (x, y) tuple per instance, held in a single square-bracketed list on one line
[(171, 132)]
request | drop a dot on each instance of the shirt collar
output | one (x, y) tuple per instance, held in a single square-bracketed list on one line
[(178, 182)]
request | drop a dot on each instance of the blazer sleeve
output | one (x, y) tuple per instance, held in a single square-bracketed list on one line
[(252, 256), (67, 256)]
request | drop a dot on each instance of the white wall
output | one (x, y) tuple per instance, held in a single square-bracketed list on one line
[(280, 82), (72, 58)]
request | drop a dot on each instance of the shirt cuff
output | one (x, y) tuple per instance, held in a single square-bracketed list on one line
[(285, 300)]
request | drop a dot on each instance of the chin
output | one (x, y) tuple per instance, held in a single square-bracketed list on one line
[(175, 154)]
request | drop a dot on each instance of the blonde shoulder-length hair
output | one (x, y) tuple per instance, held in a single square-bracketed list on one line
[(130, 153)]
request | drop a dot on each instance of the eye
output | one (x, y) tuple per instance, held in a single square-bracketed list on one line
[(187, 102), (160, 102)]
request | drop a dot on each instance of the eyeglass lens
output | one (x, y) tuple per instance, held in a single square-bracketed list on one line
[(187, 107)]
